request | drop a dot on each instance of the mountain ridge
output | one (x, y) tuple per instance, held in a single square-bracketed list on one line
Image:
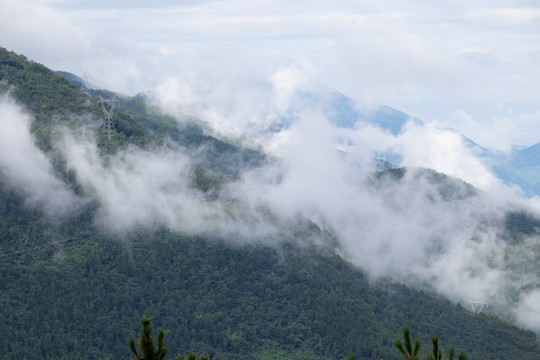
[(74, 289)]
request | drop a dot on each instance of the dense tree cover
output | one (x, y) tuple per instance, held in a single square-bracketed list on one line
[(190, 133), (407, 349), (520, 225), (55, 99), (410, 351), (147, 345), (143, 123), (51, 99), (71, 291), (42, 91), (449, 188)]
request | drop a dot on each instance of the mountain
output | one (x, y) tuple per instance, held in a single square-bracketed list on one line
[(77, 292), (72, 78), (135, 117), (521, 167), (508, 168), (347, 113), (74, 283)]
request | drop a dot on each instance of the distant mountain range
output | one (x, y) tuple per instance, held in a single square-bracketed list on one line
[(347, 113), (520, 167)]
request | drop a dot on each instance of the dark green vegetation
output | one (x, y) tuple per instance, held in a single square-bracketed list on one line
[(410, 351), (448, 188), (70, 291), (406, 348), (52, 98), (138, 121), (74, 293), (147, 345)]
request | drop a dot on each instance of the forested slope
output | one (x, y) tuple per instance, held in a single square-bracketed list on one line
[(76, 293), (70, 289)]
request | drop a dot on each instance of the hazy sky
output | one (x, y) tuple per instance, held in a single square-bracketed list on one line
[(468, 64)]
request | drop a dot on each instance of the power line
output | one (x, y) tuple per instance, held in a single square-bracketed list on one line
[(108, 113), (84, 84), (477, 306)]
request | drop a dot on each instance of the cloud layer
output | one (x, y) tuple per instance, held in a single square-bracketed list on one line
[(419, 228), (431, 60), (241, 65), (24, 165)]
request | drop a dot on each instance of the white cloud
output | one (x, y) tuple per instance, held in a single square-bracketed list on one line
[(41, 32), (176, 96), (425, 58), (498, 132), (528, 310), (289, 81), (240, 65), (497, 17), (24, 165), (136, 187), (407, 228), (444, 151)]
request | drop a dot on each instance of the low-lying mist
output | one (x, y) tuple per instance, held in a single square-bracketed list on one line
[(416, 226), (25, 166)]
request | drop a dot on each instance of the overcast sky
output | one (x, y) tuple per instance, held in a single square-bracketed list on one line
[(471, 65)]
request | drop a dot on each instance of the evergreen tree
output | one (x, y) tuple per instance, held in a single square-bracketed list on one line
[(408, 350), (147, 344), (192, 356), (438, 354)]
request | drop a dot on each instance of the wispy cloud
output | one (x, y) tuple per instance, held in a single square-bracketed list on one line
[(427, 59), (26, 167), (239, 65)]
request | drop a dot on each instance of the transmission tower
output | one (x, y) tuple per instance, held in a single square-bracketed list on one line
[(84, 84), (381, 161), (477, 306), (108, 113)]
